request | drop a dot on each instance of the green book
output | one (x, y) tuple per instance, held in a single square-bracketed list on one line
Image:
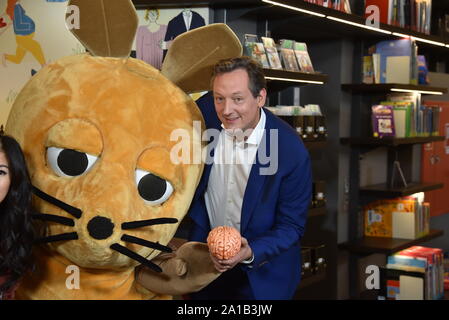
[(402, 113)]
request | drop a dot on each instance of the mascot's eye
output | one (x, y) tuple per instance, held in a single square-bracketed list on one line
[(152, 189), (68, 162)]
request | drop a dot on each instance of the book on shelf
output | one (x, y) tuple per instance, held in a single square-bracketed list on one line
[(302, 56), (288, 56), (256, 50), (382, 118), (341, 5), (421, 120), (368, 69), (384, 9), (408, 14), (272, 53), (376, 67), (403, 115), (398, 61), (419, 272), (440, 26), (403, 218)]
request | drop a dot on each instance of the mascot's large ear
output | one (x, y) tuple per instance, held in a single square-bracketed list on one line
[(192, 55), (107, 27)]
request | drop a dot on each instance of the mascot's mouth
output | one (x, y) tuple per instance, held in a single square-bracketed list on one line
[(102, 223)]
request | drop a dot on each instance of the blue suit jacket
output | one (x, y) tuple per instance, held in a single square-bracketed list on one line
[(274, 209)]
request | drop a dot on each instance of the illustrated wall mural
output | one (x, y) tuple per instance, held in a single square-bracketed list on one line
[(159, 27), (33, 33)]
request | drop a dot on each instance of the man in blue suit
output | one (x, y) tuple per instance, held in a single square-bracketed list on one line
[(258, 182)]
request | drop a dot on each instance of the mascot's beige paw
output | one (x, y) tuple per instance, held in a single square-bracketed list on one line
[(188, 269)]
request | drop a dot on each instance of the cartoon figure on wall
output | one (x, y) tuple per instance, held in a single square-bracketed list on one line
[(183, 22), (24, 30), (150, 39), (96, 129)]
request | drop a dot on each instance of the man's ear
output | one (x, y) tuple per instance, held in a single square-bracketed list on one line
[(261, 98)]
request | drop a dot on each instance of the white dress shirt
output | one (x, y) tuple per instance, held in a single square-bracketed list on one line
[(233, 160), (187, 15)]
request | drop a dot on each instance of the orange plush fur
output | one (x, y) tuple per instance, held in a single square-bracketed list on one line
[(121, 111)]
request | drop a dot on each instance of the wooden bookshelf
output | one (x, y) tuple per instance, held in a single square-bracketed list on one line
[(389, 142), (312, 279), (370, 245), (317, 212), (315, 144), (386, 87), (382, 190)]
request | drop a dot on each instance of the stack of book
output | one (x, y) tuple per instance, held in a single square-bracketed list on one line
[(392, 61), (416, 273), (415, 15), (291, 56), (342, 5), (403, 218), (403, 116)]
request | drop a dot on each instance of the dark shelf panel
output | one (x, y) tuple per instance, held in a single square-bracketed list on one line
[(386, 87), (369, 245), (316, 212), (143, 4), (381, 190), (389, 142), (315, 144), (310, 280)]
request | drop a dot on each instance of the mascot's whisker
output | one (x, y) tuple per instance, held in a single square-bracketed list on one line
[(54, 218), (58, 237), (62, 205), (131, 254), (145, 223), (145, 243)]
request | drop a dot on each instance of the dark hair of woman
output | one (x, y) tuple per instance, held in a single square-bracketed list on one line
[(16, 228)]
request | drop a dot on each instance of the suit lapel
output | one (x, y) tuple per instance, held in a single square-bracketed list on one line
[(256, 180)]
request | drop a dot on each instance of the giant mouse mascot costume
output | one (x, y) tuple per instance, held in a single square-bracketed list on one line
[(97, 130)]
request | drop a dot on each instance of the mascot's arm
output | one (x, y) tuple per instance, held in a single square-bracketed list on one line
[(188, 269)]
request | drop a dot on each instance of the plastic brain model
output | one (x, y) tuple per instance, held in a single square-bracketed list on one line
[(224, 242), (96, 132)]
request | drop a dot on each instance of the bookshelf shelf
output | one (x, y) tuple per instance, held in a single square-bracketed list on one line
[(299, 78), (314, 278), (317, 212), (370, 245), (349, 24), (143, 4), (389, 142), (387, 87), (315, 144), (382, 190)]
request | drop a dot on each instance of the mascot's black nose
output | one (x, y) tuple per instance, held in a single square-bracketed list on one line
[(100, 228)]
